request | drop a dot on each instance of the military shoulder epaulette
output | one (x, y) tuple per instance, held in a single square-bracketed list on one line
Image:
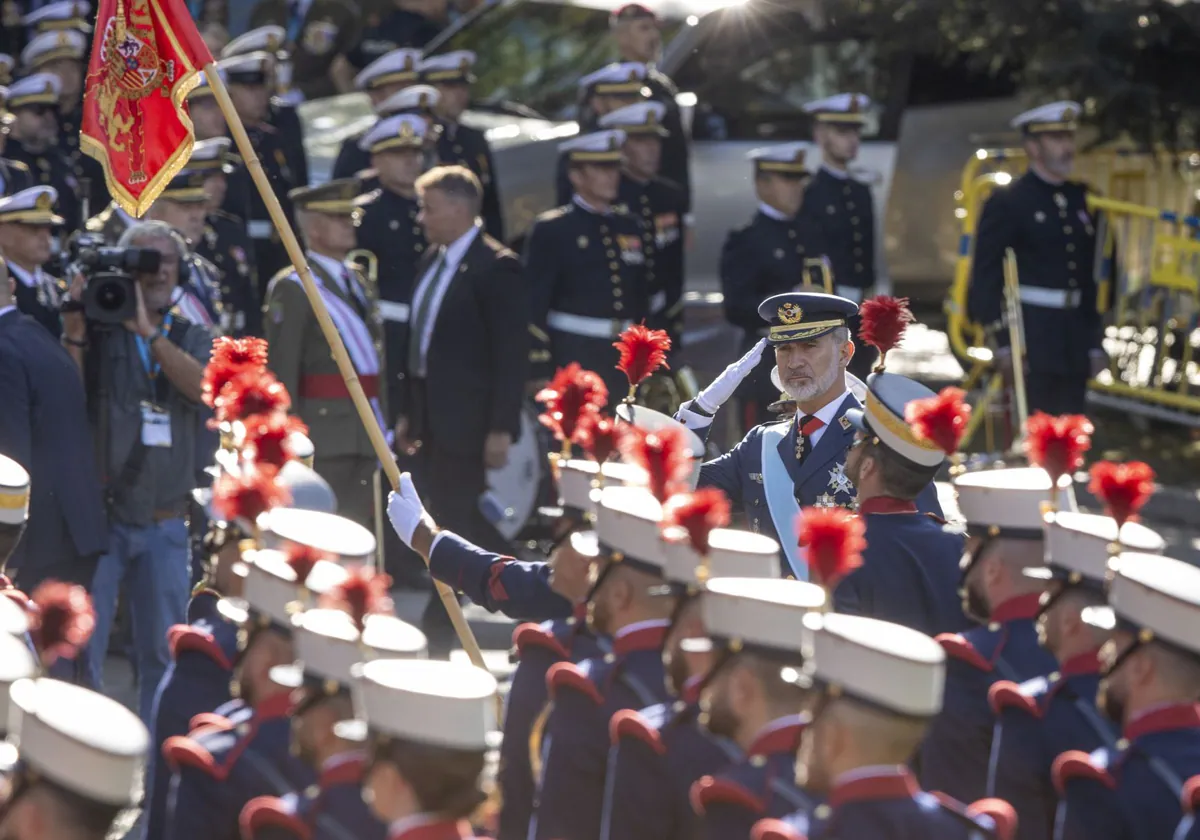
[(1189, 799), (97, 222), (569, 677), (183, 638), (958, 647), (18, 165), (555, 213), (627, 723), (1075, 765), (529, 635), (271, 812), (711, 790), (1007, 695)]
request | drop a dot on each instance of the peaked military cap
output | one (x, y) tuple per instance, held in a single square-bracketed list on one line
[(888, 394), (211, 155), (1079, 547), (597, 147), (638, 118), (51, 46), (803, 316), (187, 187), (1156, 598), (449, 68), (844, 108), (246, 68), (65, 14), (342, 197), (1055, 117), (269, 39), (623, 78), (38, 89), (390, 68), (422, 98), (14, 479), (403, 131), (785, 159), (203, 89), (34, 206)]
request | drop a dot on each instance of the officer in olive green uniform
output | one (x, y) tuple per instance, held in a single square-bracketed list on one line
[(299, 353), (316, 38)]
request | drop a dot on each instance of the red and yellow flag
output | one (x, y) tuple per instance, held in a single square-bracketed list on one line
[(146, 57)]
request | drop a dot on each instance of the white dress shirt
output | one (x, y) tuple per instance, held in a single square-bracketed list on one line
[(340, 273), (449, 258), (826, 414), (771, 213), (4, 310)]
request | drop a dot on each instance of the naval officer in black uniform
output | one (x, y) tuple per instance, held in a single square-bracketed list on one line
[(14, 176), (840, 208), (418, 99), (1044, 218), (25, 223), (380, 81), (33, 104)]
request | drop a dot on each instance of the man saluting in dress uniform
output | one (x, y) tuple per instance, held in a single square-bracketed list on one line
[(380, 80), (1043, 217), (451, 73), (586, 265)]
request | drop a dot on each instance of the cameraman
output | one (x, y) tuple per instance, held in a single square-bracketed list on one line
[(153, 368)]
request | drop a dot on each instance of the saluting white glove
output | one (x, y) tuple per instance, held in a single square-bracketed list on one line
[(722, 388), (405, 509)]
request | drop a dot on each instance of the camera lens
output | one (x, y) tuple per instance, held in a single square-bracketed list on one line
[(111, 296)]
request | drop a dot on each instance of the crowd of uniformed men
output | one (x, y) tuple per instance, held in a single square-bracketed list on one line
[(1035, 675)]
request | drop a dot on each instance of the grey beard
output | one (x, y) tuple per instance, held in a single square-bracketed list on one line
[(815, 387)]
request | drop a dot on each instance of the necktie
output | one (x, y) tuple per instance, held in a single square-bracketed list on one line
[(808, 425), (354, 294), (421, 309)]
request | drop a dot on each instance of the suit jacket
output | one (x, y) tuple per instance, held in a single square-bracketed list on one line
[(477, 361), (44, 428)]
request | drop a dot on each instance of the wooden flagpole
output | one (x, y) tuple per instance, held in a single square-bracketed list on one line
[(340, 356)]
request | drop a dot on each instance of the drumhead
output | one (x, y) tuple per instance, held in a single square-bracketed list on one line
[(515, 486)]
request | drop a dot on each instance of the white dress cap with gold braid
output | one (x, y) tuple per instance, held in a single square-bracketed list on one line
[(888, 394), (597, 147), (328, 646), (877, 662), (618, 79), (847, 108), (448, 67), (731, 553), (51, 46), (763, 614), (649, 420), (638, 118), (14, 487), (328, 532), (402, 131), (627, 526), (577, 480), (62, 14), (79, 739), (1079, 546), (268, 39), (211, 155), (1156, 597), (14, 619), (785, 158), (397, 66), (271, 594), (442, 704), (34, 206), (16, 663), (411, 98), (1054, 117), (1008, 502)]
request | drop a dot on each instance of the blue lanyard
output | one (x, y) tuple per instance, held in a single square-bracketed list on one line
[(148, 362)]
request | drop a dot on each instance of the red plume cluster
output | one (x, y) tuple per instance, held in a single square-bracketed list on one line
[(303, 558), (268, 437), (835, 540), (884, 320), (663, 454), (698, 513), (643, 351), (941, 419), (1124, 488), (573, 394), (231, 356), (362, 593), (600, 436), (61, 620), (1057, 444), (248, 393), (249, 494)]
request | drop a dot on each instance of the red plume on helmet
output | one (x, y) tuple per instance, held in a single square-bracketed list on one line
[(248, 393), (1057, 444), (941, 419), (1124, 488), (698, 513), (600, 436), (643, 351), (61, 620), (665, 456), (572, 394), (249, 494), (303, 559), (835, 540), (231, 356), (363, 592), (268, 437), (884, 319)]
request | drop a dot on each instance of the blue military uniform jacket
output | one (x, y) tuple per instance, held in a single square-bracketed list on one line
[(954, 757), (1035, 723), (331, 809), (519, 589), (842, 211), (909, 573), (574, 750), (196, 681), (1189, 826), (1131, 791), (761, 785), (222, 765), (655, 757), (537, 648)]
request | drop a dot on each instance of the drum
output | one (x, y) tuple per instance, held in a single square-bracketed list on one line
[(516, 485)]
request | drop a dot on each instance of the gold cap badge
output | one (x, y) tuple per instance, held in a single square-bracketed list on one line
[(790, 313)]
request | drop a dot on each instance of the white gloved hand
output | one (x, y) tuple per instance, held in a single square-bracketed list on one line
[(722, 388), (405, 509)]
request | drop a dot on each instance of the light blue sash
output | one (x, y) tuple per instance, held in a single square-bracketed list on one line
[(781, 498)]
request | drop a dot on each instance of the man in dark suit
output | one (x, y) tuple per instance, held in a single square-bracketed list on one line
[(44, 428), (466, 354)]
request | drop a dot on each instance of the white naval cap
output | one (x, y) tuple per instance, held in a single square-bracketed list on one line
[(14, 479), (411, 98), (268, 39), (65, 14), (638, 118), (888, 395), (79, 739), (397, 66), (245, 69), (211, 155), (1008, 502), (649, 420), (1079, 546), (1057, 116), (403, 131), (846, 108), (203, 89), (731, 553), (628, 520), (51, 46), (327, 532), (876, 662), (1156, 597), (328, 646), (16, 663), (597, 147), (36, 89), (785, 158), (442, 704), (14, 618), (622, 78), (448, 68), (756, 614), (271, 594), (578, 481)]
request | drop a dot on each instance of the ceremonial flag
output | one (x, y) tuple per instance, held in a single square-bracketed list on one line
[(146, 57)]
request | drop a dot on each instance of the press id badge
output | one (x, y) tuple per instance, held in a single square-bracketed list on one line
[(156, 426)]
